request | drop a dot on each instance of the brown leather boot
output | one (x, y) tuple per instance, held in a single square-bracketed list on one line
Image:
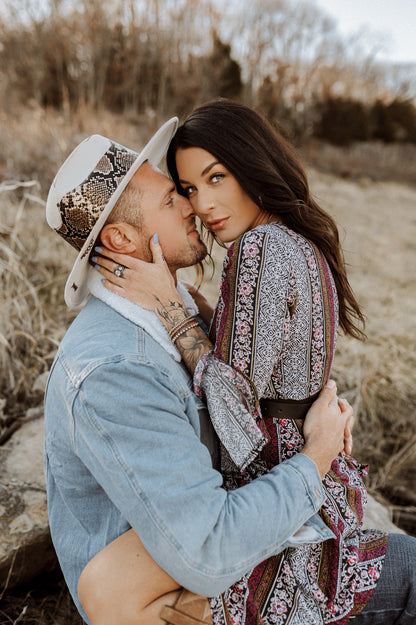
[(189, 609)]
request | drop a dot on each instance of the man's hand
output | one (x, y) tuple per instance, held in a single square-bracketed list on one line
[(327, 428), (344, 406)]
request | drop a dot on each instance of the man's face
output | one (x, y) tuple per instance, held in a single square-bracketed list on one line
[(170, 215)]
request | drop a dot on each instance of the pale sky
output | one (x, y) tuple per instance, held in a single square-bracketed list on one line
[(396, 19)]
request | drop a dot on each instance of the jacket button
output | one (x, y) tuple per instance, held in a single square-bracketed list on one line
[(317, 493)]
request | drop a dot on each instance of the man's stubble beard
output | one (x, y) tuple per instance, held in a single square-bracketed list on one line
[(193, 254)]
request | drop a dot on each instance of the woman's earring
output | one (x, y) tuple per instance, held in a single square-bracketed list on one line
[(260, 201)]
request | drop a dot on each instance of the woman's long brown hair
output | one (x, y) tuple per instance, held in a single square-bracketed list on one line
[(268, 168)]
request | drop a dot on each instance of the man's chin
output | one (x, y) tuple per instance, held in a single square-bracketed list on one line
[(201, 253), (194, 255)]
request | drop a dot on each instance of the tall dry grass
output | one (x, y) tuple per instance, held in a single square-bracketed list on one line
[(378, 228), (31, 308), (375, 160), (35, 141)]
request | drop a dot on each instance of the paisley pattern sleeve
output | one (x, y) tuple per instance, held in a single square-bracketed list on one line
[(248, 330)]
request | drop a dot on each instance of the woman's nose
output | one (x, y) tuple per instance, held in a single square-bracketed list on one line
[(186, 207), (203, 204)]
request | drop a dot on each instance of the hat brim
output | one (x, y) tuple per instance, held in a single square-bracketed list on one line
[(76, 288)]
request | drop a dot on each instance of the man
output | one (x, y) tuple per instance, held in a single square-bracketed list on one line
[(122, 426)]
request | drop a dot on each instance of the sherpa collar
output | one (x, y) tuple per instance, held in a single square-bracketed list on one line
[(146, 319)]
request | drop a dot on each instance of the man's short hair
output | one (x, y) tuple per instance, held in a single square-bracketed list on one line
[(127, 208)]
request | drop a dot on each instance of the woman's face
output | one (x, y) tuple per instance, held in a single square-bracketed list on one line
[(216, 196)]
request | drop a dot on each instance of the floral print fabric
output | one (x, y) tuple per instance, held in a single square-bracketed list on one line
[(274, 331)]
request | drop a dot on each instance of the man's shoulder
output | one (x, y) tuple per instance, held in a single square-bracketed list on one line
[(101, 337), (98, 332)]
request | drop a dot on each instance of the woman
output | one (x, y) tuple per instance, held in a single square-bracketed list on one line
[(284, 287)]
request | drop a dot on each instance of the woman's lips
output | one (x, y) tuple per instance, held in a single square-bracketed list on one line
[(217, 224)]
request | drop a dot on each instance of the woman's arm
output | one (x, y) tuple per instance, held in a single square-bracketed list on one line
[(252, 311)]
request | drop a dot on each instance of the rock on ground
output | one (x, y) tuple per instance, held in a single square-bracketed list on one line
[(25, 546), (377, 517)]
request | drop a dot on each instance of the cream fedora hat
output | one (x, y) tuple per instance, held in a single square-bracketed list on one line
[(85, 190)]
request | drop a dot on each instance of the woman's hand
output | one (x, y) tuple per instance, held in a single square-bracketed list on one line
[(147, 284)]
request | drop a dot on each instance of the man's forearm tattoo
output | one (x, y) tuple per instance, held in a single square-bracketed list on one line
[(193, 343), (171, 314)]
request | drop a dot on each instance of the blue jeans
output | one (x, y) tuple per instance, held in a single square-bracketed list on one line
[(394, 599)]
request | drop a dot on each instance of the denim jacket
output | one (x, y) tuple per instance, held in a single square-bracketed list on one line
[(123, 449)]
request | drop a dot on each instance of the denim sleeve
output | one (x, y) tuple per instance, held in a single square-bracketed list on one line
[(133, 432)]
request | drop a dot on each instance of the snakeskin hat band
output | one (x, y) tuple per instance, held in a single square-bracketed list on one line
[(86, 189)]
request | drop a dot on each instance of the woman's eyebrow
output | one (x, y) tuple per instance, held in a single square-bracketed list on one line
[(204, 172), (210, 166)]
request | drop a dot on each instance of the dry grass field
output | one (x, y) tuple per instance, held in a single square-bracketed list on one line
[(378, 226), (377, 221)]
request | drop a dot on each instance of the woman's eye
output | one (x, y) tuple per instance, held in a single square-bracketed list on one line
[(217, 177), (189, 191)]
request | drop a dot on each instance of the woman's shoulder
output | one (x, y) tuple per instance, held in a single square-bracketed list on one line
[(265, 246), (266, 239), (290, 239)]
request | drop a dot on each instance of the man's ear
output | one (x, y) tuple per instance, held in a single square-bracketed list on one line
[(119, 237)]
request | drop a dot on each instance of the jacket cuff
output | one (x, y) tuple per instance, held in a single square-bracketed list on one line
[(311, 478)]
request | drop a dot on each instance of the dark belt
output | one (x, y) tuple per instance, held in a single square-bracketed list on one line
[(286, 408)]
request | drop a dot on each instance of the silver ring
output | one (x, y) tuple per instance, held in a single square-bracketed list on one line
[(119, 271)]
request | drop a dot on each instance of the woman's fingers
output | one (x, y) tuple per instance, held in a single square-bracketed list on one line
[(109, 274), (115, 288), (117, 268), (156, 250), (106, 266), (105, 258), (101, 252), (147, 284)]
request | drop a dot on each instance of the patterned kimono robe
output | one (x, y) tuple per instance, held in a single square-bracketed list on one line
[(274, 331)]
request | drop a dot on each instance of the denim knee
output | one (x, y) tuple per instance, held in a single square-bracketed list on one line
[(394, 599)]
